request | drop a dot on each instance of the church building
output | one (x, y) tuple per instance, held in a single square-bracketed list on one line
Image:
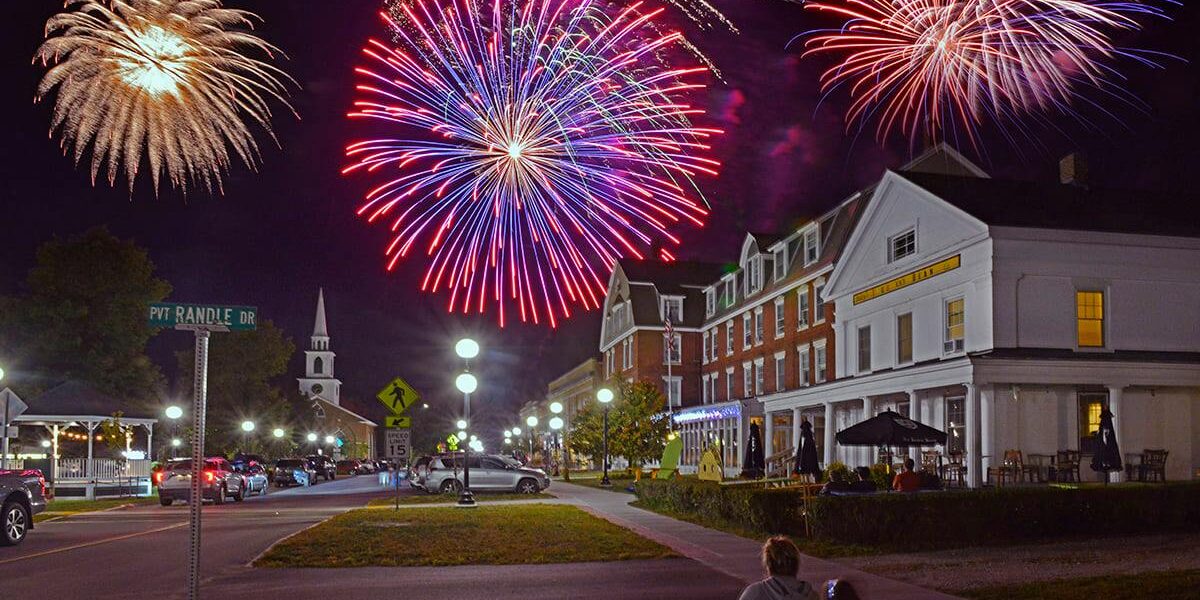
[(355, 432)]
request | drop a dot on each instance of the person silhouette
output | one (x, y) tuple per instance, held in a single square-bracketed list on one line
[(397, 396)]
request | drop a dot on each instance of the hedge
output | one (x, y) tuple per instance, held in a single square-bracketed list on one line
[(940, 519)]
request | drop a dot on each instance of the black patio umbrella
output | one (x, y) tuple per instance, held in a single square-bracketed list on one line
[(890, 428), (1107, 458), (806, 452), (755, 463)]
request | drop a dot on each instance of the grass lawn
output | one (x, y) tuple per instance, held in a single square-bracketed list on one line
[(817, 548), (451, 498), (618, 484), (487, 535), (1161, 585), (66, 508)]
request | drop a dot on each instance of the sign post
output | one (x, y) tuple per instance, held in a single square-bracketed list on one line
[(202, 320), (13, 408)]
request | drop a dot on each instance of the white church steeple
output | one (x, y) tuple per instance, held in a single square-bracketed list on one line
[(318, 380)]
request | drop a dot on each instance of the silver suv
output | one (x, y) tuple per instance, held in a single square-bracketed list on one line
[(489, 473)]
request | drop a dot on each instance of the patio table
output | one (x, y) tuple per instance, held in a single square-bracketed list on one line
[(1041, 465)]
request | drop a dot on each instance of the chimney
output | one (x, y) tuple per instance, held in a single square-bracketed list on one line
[(1073, 169)]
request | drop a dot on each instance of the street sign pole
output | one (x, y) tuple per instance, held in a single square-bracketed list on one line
[(199, 406)]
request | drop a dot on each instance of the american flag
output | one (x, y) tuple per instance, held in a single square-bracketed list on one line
[(669, 333)]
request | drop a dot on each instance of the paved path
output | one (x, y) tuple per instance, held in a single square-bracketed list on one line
[(732, 555)]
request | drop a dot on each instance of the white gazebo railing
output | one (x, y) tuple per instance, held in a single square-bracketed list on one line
[(102, 469)]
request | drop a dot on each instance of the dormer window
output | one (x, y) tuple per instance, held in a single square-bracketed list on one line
[(730, 291), (672, 309), (710, 302), (619, 317), (753, 274), (812, 246), (780, 262), (902, 245)]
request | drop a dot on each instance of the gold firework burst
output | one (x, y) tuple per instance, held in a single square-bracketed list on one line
[(169, 82)]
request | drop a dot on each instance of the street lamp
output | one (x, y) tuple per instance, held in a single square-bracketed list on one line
[(278, 433), (516, 430), (247, 428), (462, 436), (532, 422), (329, 440), (176, 442), (461, 424), (605, 396), (466, 349), (173, 413), (556, 423)]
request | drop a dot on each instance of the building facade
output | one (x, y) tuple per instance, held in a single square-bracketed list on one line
[(1010, 315)]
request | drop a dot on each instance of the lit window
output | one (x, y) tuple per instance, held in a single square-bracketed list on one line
[(956, 427), (904, 338), (902, 245), (864, 349), (954, 326), (1089, 317)]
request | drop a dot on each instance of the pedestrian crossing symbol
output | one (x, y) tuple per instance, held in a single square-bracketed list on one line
[(397, 396)]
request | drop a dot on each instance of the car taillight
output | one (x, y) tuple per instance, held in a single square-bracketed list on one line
[(209, 476), (42, 482), (158, 477)]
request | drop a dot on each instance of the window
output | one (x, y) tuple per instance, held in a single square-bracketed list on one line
[(710, 302), (812, 246), (746, 331), (956, 424), (904, 338), (608, 363), (954, 326), (779, 317), (318, 364), (758, 326), (864, 349), (713, 346), (674, 387), (780, 372), (704, 399), (620, 316), (716, 377), (672, 309), (805, 366), (753, 275), (820, 357), (730, 292), (728, 338), (758, 377), (729, 383), (627, 353), (902, 245), (1089, 319), (1091, 405), (819, 302), (704, 349), (747, 381), (672, 347), (780, 263), (802, 312)]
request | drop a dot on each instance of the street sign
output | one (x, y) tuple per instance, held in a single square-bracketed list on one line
[(11, 405), (398, 444), (203, 317), (397, 422), (398, 396)]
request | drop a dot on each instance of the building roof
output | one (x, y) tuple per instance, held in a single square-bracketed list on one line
[(1043, 205), (76, 398), (672, 276), (319, 327)]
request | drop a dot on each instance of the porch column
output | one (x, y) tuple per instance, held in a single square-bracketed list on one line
[(868, 407), (830, 426), (796, 429), (988, 454), (974, 459), (89, 485), (150, 441), (914, 412), (1115, 394), (768, 432)]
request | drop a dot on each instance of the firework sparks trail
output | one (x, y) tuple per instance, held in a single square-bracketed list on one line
[(539, 141), (924, 66), (167, 81)]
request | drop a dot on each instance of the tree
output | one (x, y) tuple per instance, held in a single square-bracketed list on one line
[(586, 437), (84, 316), (243, 370), (638, 426)]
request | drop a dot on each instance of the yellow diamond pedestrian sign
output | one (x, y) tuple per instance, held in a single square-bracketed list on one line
[(397, 422), (398, 396)]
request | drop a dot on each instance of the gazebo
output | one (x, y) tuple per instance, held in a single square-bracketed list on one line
[(77, 404)]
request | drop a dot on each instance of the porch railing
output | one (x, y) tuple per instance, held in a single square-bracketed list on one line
[(102, 469)]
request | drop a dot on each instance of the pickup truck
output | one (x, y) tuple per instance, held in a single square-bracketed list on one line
[(22, 495)]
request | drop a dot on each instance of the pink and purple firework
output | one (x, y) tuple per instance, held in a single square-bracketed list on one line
[(925, 66), (538, 141)]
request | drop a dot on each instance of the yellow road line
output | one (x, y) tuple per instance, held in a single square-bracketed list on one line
[(89, 544)]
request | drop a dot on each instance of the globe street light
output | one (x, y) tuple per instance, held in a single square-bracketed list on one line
[(278, 433), (516, 430), (556, 407), (462, 436), (176, 442), (466, 383), (174, 412), (311, 437), (461, 424), (1, 373), (532, 422), (556, 423), (605, 396), (466, 348), (247, 426), (329, 439)]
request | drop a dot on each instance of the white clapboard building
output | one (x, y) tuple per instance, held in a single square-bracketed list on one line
[(1010, 314)]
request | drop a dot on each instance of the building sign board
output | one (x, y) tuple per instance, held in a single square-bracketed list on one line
[(908, 279), (201, 317)]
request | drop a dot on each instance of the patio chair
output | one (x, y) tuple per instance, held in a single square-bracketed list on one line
[(1013, 467), (1066, 466), (954, 471), (1154, 465), (930, 460)]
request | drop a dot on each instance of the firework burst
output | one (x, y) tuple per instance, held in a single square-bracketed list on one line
[(925, 66), (163, 80), (538, 142)]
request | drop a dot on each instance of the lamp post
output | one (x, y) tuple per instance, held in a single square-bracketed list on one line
[(247, 429), (532, 423), (556, 424), (605, 396), (466, 383), (174, 413)]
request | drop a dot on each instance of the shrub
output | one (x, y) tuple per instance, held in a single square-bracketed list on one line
[(754, 508), (881, 476), (837, 471)]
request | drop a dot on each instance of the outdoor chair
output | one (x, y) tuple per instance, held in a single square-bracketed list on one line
[(954, 471), (1154, 465), (1066, 466), (930, 460), (1013, 468)]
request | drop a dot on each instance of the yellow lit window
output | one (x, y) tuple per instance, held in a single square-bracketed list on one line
[(954, 325), (1089, 317), (1093, 417)]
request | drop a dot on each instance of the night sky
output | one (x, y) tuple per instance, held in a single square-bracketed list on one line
[(279, 234)]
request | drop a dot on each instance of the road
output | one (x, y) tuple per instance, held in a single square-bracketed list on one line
[(142, 552)]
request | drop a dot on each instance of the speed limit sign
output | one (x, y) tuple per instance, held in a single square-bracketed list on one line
[(398, 444)]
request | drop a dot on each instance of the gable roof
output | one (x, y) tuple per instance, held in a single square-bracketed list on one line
[(1042, 205), (76, 398), (672, 276)]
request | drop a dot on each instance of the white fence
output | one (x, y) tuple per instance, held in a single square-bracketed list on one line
[(102, 469)]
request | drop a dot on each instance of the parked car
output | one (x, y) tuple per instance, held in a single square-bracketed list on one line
[(294, 471), (351, 467), (257, 480), (22, 495), (324, 466), (220, 482), (489, 472)]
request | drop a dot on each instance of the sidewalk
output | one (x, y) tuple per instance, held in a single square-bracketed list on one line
[(732, 555)]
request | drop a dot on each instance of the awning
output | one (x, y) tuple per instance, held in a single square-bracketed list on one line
[(890, 428)]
